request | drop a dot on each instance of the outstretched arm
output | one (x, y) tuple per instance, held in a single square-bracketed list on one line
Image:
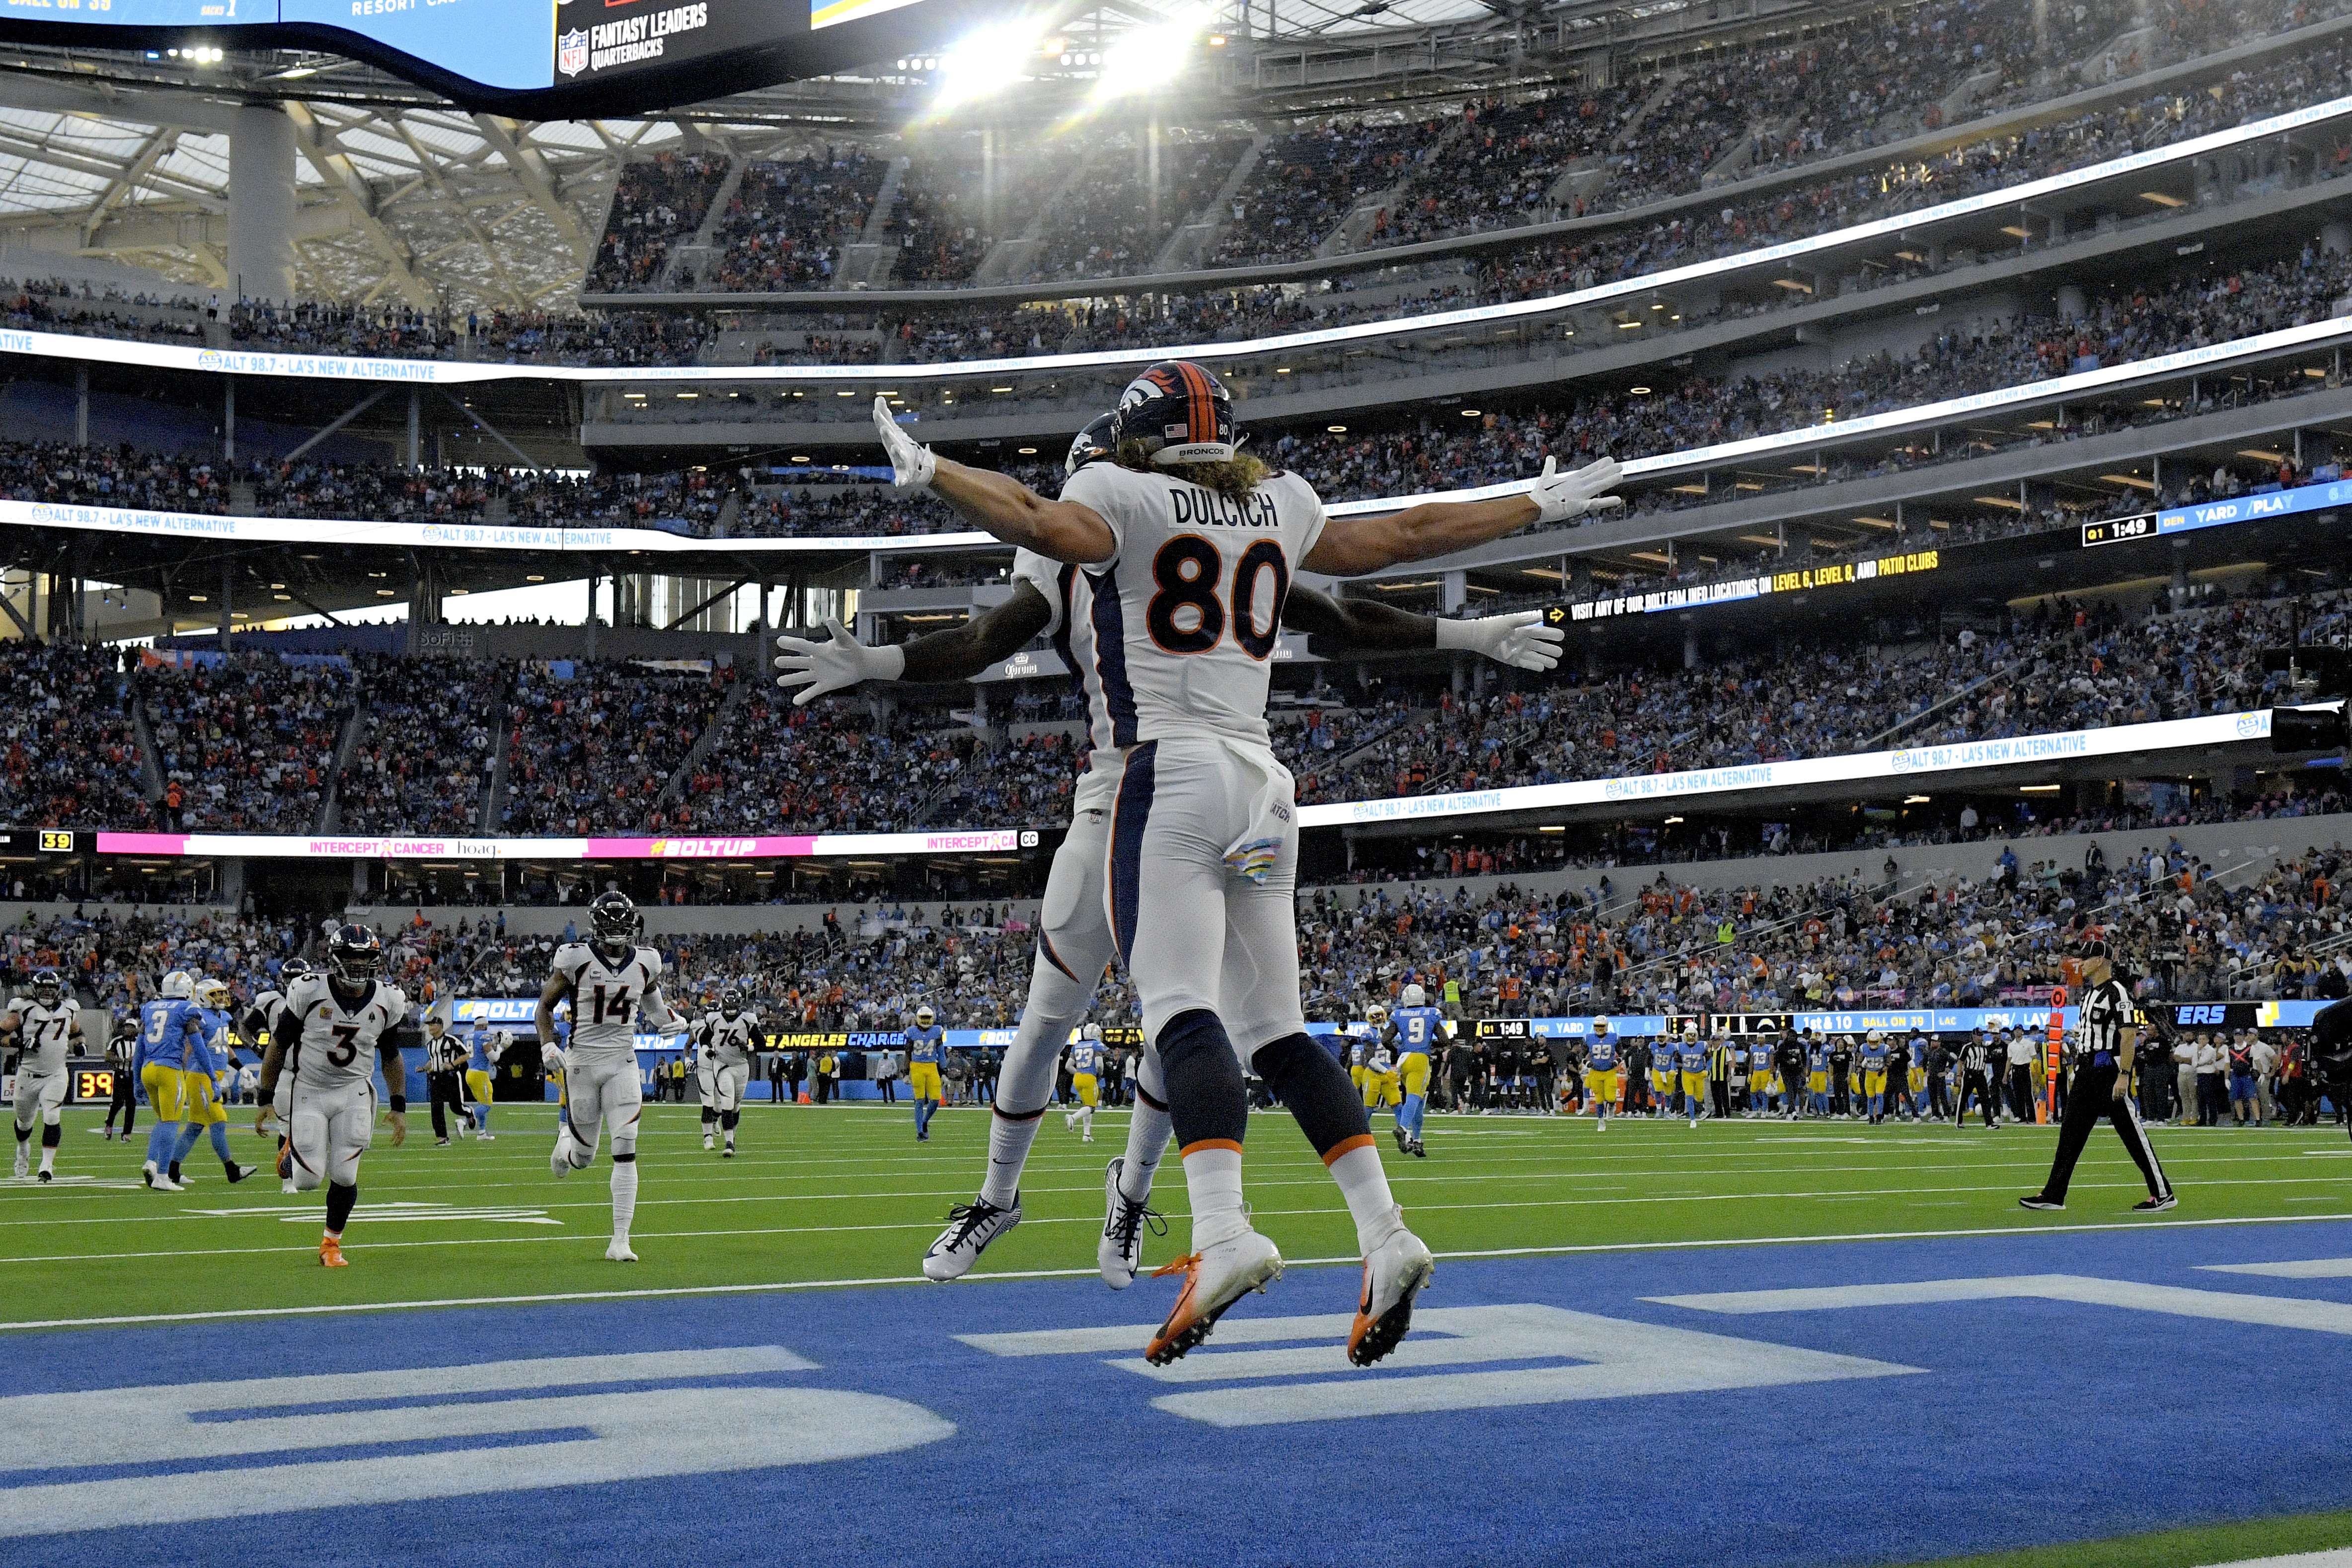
[(1520, 640), (1350, 546), (956, 654), (1059, 530)]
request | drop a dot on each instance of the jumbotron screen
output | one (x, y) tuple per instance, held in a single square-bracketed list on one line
[(539, 57)]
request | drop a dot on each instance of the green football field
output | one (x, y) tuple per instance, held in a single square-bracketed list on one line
[(844, 1194)]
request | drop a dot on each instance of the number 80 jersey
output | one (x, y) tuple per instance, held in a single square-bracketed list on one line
[(1187, 615), (605, 998), (337, 1046)]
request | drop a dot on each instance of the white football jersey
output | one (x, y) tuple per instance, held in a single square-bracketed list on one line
[(729, 1042), (337, 1046), (1070, 593), (46, 1032), (605, 998), (1188, 614)]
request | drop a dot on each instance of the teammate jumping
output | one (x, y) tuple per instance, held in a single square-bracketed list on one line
[(1074, 941), (1192, 548)]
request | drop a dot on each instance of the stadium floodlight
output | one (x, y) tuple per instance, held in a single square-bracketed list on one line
[(1150, 56), (987, 60)]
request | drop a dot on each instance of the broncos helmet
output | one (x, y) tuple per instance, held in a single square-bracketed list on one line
[(48, 987), (1179, 411), (730, 1002), (613, 915), (1092, 445), (292, 970), (354, 956), (179, 986)]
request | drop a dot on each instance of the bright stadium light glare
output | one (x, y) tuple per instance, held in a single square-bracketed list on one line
[(1150, 56), (985, 61)]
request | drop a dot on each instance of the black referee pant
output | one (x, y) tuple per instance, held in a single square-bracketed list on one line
[(1978, 1084), (123, 1100), (447, 1089), (2093, 1096)]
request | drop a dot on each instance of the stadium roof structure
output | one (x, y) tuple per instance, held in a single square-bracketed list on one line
[(114, 165)]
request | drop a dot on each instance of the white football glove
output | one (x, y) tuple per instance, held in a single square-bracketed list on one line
[(1563, 498), (1520, 640), (836, 665), (550, 1059), (911, 465)]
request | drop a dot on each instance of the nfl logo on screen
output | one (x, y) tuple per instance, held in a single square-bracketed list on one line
[(571, 52)]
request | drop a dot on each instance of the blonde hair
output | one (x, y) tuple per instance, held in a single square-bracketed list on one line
[(1234, 479)]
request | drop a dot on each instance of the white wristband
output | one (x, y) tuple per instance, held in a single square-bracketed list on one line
[(1453, 634)]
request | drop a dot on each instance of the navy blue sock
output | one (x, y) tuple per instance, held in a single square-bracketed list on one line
[(1207, 1101)]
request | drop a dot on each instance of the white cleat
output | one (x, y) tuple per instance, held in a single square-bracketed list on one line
[(24, 1163), (1120, 1251), (708, 1142), (287, 1186), (971, 1227), (559, 1162), (485, 1138), (1394, 1273), (1214, 1278), (618, 1252), (159, 1180)]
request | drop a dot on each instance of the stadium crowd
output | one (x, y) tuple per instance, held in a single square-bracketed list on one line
[(593, 750), (246, 743), (422, 758)]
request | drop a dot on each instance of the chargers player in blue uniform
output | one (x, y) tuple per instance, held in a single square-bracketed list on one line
[(1600, 1077), (1415, 1029), (482, 1048), (210, 1053), (1691, 1056), (925, 1042), (168, 1027), (1872, 1059), (1086, 1081)]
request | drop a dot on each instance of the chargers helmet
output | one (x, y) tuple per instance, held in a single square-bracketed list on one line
[(179, 986), (212, 991), (1179, 411), (924, 1016), (1092, 1031), (1092, 445), (1376, 1015), (1414, 997)]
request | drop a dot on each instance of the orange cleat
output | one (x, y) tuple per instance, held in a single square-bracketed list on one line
[(330, 1253)]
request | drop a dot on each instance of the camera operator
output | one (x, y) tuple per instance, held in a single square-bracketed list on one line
[(2104, 1047)]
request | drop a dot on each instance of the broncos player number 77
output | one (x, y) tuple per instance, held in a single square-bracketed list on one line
[(1192, 547)]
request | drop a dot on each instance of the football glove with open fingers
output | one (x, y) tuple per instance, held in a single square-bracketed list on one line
[(835, 664), (911, 465), (1520, 640), (1563, 498)]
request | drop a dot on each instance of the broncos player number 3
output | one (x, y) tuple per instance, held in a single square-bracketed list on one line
[(1186, 572)]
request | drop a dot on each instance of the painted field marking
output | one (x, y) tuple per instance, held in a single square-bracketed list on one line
[(572, 1437), (2305, 1268), (1612, 1358), (2174, 1300)]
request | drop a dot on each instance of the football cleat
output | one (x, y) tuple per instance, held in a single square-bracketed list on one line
[(2036, 1200), (156, 1178), (330, 1253), (1394, 1273), (728, 1153), (618, 1252), (559, 1162), (1419, 1151), (2144, 1205), (24, 1163), (708, 1142), (236, 1173), (1404, 1141), (485, 1138), (1120, 1251), (440, 1143), (1214, 1278), (287, 1186), (971, 1227), (48, 1176), (286, 1162)]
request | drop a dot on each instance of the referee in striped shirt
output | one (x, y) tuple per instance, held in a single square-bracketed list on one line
[(2101, 1085)]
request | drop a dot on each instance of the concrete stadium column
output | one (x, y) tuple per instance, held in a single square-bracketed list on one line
[(228, 582), (261, 204), (415, 417), (1456, 591), (2335, 239), (81, 405), (2071, 305), (228, 419), (1690, 644)]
